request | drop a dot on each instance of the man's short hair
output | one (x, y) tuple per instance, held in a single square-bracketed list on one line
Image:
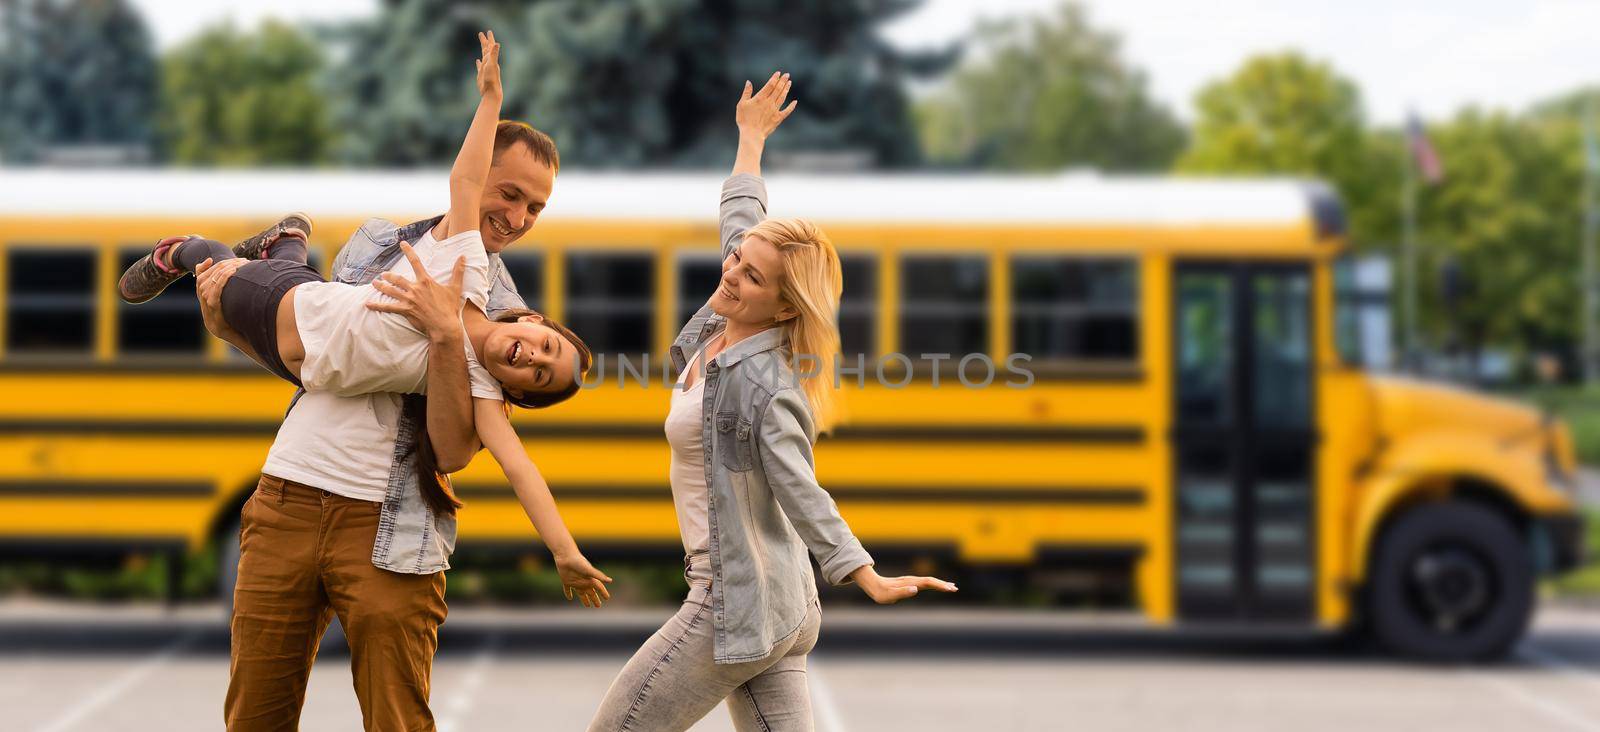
[(510, 132)]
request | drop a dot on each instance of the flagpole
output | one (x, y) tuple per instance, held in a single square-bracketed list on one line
[(1591, 220), (1408, 208)]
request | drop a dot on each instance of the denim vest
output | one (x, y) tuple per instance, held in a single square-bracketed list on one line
[(765, 506), (411, 538)]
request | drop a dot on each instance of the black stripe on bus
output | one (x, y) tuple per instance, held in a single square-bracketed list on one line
[(133, 367), (1108, 435), (86, 547), (103, 489), (1044, 370), (1071, 495)]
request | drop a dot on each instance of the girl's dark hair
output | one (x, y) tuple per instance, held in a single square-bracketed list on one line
[(436, 489), (435, 485)]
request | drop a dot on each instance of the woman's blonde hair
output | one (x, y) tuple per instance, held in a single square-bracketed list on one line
[(812, 283)]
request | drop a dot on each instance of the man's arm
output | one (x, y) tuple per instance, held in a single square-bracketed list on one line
[(471, 169), (435, 309)]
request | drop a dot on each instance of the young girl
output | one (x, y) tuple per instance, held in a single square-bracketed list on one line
[(341, 338), (741, 426)]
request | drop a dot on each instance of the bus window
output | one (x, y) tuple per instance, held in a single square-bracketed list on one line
[(610, 298), (51, 298), (169, 325), (1361, 324), (698, 274), (1075, 308), (859, 305), (527, 272), (943, 305), (1282, 349)]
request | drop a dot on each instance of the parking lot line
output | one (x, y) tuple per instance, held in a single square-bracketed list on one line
[(120, 685), (460, 701), (1551, 709), (827, 710)]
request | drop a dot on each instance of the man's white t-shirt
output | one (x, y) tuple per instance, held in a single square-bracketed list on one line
[(345, 444), (353, 350)]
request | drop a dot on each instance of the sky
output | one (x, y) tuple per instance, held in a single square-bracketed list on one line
[(1428, 55)]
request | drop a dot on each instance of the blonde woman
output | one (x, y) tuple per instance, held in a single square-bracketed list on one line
[(741, 427)]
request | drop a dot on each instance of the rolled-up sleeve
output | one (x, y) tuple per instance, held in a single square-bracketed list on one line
[(744, 204), (785, 448)]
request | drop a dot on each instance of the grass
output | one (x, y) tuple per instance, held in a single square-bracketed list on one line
[(1583, 581)]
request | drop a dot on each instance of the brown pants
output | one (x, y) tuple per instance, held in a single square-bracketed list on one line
[(305, 554)]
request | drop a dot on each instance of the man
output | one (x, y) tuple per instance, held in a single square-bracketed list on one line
[(338, 524)]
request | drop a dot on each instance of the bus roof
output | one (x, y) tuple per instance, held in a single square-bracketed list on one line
[(1066, 199)]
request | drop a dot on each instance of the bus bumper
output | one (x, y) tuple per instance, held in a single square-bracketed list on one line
[(1559, 541)]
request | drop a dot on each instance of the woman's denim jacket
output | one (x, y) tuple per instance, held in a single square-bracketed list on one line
[(411, 538), (766, 508)]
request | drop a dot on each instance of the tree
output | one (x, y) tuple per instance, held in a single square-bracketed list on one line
[(232, 98), (1287, 114), (1506, 213), (630, 82), (73, 73), (1044, 94)]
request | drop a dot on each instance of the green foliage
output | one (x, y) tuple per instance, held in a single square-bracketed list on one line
[(630, 82), (1289, 115), (1044, 94), (1507, 213), (74, 72), (245, 99)]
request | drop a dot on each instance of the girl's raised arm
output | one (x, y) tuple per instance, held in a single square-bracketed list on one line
[(471, 169)]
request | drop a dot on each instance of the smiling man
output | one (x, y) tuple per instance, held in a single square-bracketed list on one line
[(519, 184), (338, 524)]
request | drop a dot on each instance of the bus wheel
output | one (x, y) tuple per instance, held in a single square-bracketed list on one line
[(1451, 582)]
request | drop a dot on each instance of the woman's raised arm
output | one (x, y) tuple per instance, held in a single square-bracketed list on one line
[(758, 115), (744, 195)]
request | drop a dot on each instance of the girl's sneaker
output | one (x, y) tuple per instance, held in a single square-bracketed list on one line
[(256, 246), (150, 275)]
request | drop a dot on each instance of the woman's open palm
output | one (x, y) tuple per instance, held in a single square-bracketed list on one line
[(760, 113)]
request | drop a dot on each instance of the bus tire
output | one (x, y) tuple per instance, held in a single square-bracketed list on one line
[(1451, 582)]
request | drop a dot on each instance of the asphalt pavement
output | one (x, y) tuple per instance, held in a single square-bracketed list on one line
[(75, 667)]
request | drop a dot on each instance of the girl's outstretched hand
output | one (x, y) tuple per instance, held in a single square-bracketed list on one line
[(890, 590), (760, 113), (489, 66), (580, 578)]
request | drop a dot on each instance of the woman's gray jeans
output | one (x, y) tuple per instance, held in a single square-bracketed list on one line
[(672, 682)]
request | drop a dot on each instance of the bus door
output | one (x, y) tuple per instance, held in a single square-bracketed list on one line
[(1243, 441)]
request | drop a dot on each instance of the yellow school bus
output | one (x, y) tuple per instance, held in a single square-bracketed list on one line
[(1143, 383)]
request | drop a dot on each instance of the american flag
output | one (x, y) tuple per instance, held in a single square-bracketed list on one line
[(1422, 152)]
